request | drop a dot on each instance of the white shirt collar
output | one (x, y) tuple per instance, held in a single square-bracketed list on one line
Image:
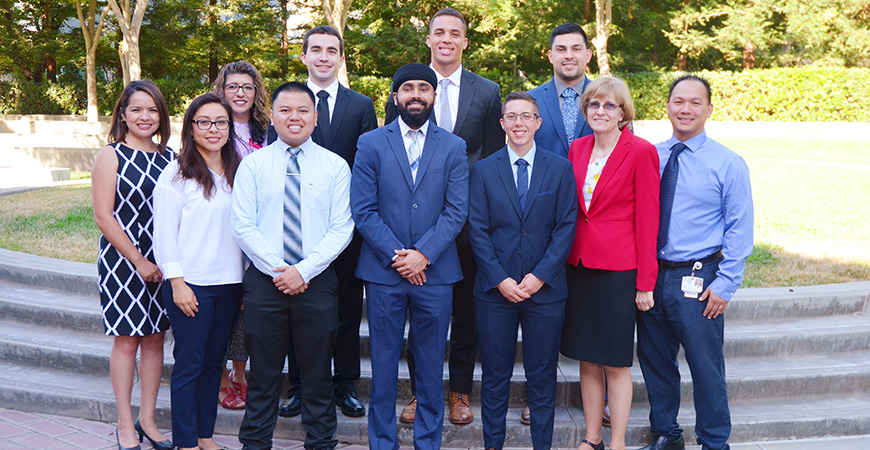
[(403, 127), (454, 77), (306, 146), (332, 89), (530, 155)]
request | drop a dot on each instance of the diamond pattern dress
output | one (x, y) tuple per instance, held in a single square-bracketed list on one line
[(130, 305)]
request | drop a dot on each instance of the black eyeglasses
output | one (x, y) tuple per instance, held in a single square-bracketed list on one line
[(526, 117), (233, 88), (205, 124), (610, 107)]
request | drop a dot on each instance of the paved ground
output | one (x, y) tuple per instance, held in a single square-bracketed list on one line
[(30, 431)]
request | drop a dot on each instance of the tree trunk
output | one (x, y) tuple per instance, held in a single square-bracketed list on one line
[(91, 32), (212, 45), (335, 12), (749, 56), (603, 22), (285, 40), (129, 22)]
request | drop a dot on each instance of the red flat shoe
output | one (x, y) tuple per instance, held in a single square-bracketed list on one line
[(232, 400)]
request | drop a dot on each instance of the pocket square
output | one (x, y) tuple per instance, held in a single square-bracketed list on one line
[(541, 194)]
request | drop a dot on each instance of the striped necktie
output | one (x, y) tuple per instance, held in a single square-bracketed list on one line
[(415, 151), (292, 209)]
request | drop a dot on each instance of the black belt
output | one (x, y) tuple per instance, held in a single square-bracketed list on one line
[(665, 264)]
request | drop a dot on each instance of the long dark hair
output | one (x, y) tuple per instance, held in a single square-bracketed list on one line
[(259, 121), (191, 165), (118, 130)]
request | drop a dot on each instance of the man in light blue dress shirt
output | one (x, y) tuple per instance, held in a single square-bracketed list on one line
[(705, 237), (291, 216)]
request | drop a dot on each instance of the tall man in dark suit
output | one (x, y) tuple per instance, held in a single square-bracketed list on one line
[(562, 120), (522, 214), (342, 116), (409, 201), (469, 106)]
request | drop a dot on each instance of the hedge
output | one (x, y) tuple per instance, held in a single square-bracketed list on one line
[(824, 94)]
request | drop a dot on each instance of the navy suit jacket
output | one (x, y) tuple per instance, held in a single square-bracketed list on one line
[(510, 242), (353, 115), (391, 211), (477, 117), (551, 135)]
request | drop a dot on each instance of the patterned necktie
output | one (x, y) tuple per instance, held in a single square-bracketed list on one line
[(323, 112), (292, 212), (415, 151), (666, 194), (569, 112), (522, 181), (445, 120)]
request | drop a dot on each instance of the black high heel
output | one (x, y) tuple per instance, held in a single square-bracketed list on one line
[(599, 446), (118, 440), (162, 445)]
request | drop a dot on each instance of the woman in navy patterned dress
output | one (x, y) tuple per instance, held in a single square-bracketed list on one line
[(123, 179)]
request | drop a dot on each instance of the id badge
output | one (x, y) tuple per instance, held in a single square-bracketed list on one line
[(692, 286)]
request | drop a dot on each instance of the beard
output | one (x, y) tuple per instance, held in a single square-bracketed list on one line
[(415, 119)]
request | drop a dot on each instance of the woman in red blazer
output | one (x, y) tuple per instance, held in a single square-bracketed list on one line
[(612, 266)]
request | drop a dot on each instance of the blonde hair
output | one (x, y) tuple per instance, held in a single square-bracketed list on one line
[(609, 86)]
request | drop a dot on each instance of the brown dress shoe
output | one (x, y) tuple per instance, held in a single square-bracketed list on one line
[(526, 416), (460, 410), (409, 411)]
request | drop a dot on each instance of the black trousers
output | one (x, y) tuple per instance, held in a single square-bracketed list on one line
[(350, 305), (271, 319), (463, 327)]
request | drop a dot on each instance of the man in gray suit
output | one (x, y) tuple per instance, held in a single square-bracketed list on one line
[(469, 106)]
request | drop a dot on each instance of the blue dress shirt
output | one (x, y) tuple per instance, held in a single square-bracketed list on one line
[(258, 207), (712, 209)]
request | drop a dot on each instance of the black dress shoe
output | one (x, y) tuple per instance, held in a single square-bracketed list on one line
[(162, 445), (350, 404), (292, 404), (663, 443)]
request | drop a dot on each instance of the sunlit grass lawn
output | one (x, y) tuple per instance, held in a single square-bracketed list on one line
[(812, 199)]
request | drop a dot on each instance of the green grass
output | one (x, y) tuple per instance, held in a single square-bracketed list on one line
[(811, 198)]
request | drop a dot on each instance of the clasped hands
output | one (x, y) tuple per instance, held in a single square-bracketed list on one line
[(516, 293), (411, 265), (290, 282)]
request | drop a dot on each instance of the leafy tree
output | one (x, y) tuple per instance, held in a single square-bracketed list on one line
[(31, 37), (829, 31), (129, 24), (91, 30)]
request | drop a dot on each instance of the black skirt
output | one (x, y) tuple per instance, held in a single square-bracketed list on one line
[(599, 316)]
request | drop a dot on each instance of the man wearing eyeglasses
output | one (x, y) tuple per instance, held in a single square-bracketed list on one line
[(522, 216), (342, 116), (291, 217), (562, 121)]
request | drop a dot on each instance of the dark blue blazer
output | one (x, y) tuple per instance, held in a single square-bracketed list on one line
[(392, 212), (551, 135), (509, 242)]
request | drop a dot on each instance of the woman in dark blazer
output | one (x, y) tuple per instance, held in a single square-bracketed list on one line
[(612, 266)]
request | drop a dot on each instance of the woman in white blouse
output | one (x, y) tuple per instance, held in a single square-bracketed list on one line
[(202, 263)]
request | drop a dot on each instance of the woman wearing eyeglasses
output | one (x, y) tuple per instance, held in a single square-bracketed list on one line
[(202, 264), (612, 265), (241, 86)]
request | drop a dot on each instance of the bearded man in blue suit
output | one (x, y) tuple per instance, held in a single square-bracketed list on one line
[(409, 199)]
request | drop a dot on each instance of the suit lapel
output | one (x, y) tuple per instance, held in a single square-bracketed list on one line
[(554, 113), (580, 169), (581, 118), (429, 146), (466, 97), (538, 172), (337, 114), (506, 173), (397, 144), (617, 156)]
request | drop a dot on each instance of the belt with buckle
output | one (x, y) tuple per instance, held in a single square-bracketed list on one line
[(668, 265)]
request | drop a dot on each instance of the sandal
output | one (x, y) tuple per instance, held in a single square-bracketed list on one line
[(232, 400), (241, 389)]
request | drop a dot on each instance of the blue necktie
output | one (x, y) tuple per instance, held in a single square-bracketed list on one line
[(666, 194), (292, 209), (569, 112), (522, 181)]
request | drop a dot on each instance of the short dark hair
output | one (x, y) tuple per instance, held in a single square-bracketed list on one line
[(118, 129), (293, 86), (448, 12), (691, 76), (323, 29), (520, 95), (569, 28)]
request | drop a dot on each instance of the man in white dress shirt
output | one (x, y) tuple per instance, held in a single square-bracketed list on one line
[(291, 216)]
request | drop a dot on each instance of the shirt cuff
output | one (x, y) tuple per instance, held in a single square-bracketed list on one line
[(723, 288), (172, 270)]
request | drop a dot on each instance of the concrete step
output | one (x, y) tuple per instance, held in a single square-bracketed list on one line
[(50, 273), (90, 397), (86, 352)]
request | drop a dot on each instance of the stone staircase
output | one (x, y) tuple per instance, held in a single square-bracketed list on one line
[(798, 364)]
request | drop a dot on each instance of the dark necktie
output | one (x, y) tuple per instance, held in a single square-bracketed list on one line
[(522, 181), (323, 113), (292, 209), (666, 194), (569, 112)]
